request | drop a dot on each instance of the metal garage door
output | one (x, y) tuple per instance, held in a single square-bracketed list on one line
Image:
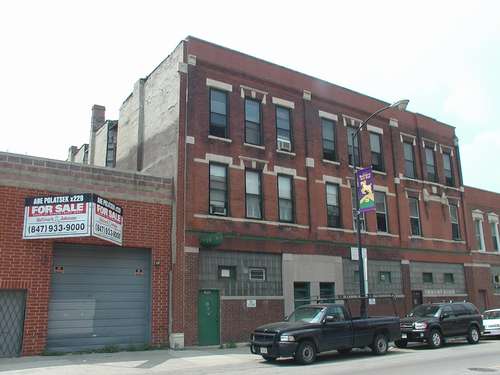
[(12, 303), (100, 296)]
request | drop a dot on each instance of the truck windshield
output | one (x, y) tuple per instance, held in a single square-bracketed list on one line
[(491, 314), (425, 311), (306, 314)]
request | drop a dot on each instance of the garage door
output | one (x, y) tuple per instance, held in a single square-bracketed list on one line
[(100, 296), (12, 303)]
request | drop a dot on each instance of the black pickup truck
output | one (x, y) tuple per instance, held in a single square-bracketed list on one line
[(313, 329)]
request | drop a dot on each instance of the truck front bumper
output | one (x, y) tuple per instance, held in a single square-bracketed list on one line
[(275, 349)]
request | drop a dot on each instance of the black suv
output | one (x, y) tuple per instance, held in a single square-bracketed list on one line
[(431, 323)]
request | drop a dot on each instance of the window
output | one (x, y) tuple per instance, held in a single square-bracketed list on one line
[(253, 194), (252, 122), (327, 292), (301, 293), (455, 228), (218, 113), (285, 198), (449, 278), (354, 196), (328, 134), (494, 235), (332, 205), (111, 144), (414, 217), (227, 272), (218, 202), (284, 128), (257, 274), (430, 164), (353, 148), (448, 172), (478, 226), (385, 277), (376, 149), (381, 210), (427, 277), (409, 160), (336, 312)]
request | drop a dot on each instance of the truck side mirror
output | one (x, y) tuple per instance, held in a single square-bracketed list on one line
[(330, 319), (445, 316)]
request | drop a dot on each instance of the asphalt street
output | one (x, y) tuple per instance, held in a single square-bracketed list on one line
[(458, 358)]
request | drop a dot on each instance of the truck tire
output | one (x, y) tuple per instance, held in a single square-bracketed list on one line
[(306, 353), (269, 358), (380, 344), (473, 335), (435, 339), (401, 343)]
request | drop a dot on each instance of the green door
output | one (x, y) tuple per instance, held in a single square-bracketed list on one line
[(208, 317)]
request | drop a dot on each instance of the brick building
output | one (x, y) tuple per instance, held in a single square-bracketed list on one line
[(262, 163), (69, 294)]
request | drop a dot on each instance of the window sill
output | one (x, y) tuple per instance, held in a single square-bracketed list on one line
[(227, 140), (379, 172), (289, 153), (331, 162), (254, 146), (412, 237)]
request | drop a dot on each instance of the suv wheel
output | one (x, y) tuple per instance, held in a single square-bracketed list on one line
[(435, 339), (306, 353), (401, 343), (473, 335), (380, 344)]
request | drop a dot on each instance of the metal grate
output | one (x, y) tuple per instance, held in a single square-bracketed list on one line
[(12, 305)]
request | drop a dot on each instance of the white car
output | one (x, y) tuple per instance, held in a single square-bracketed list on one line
[(491, 322)]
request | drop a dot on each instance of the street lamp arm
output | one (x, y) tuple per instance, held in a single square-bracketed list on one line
[(358, 129)]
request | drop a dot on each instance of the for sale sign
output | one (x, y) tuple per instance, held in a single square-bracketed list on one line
[(73, 215), (107, 220), (57, 216)]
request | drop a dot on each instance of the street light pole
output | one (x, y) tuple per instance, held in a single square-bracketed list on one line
[(401, 105)]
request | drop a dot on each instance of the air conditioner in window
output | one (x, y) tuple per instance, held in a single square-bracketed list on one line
[(217, 210), (284, 144)]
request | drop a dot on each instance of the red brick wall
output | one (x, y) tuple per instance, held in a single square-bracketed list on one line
[(26, 264), (238, 320), (310, 207)]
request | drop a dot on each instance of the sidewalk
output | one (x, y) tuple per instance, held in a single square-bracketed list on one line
[(124, 363)]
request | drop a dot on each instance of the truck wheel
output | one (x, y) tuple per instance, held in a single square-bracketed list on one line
[(435, 339), (380, 344), (401, 343), (344, 350), (306, 353), (269, 358), (473, 335)]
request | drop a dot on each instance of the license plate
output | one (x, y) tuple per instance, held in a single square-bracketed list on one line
[(263, 350), (403, 335)]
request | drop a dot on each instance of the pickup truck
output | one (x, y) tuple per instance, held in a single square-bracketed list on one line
[(313, 329)]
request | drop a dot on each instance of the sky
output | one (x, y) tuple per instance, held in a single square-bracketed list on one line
[(58, 58)]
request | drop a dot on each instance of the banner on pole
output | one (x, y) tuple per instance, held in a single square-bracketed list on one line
[(366, 195)]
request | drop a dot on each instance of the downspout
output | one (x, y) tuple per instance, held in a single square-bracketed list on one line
[(306, 138), (391, 130)]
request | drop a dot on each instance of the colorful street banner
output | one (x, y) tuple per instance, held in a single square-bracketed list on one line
[(366, 195)]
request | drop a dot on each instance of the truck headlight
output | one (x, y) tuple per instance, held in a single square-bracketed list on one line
[(287, 338), (420, 326)]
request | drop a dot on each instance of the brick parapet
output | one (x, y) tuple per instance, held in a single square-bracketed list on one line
[(58, 176)]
